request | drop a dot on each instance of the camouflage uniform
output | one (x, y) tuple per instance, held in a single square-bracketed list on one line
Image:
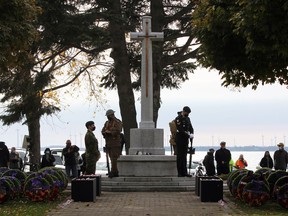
[(92, 152), (113, 142)]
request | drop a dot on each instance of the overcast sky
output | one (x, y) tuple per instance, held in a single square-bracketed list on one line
[(240, 118)]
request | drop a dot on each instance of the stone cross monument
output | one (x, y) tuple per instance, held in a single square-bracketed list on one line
[(147, 140), (146, 36)]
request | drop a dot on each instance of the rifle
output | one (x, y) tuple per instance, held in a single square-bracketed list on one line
[(191, 151), (107, 159)]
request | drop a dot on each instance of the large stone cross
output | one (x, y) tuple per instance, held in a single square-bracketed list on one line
[(146, 36)]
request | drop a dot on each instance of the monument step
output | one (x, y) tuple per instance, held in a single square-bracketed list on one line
[(149, 179), (139, 188), (141, 184)]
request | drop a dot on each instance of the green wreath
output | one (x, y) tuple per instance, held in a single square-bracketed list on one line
[(256, 193), (278, 184), (282, 196), (59, 174), (15, 186), (5, 189), (37, 189), (21, 176), (273, 177)]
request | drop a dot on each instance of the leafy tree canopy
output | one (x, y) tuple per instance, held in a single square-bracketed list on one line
[(17, 32), (245, 40)]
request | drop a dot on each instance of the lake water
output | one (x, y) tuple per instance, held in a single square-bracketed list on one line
[(252, 157)]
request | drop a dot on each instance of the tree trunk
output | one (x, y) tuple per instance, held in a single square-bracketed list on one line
[(122, 72), (157, 14), (34, 135)]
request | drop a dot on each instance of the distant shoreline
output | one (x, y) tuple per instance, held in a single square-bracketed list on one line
[(235, 148), (206, 148)]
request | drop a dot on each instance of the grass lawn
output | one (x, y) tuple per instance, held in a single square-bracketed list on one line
[(24, 207)]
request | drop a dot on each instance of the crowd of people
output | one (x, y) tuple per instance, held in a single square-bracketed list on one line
[(76, 164), (225, 164)]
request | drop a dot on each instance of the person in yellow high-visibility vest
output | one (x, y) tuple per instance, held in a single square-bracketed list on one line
[(231, 165)]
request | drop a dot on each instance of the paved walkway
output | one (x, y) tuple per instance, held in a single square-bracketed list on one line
[(146, 204)]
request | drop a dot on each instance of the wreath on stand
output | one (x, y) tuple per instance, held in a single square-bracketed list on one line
[(273, 177), (5, 189), (15, 186), (278, 184), (282, 196), (37, 189), (61, 178), (256, 193), (21, 176)]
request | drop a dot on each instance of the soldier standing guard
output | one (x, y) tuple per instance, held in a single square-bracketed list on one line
[(185, 132), (92, 153), (111, 133)]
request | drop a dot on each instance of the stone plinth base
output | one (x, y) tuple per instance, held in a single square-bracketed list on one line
[(147, 140), (147, 165)]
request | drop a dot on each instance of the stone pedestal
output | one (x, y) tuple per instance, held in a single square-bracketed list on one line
[(147, 165), (147, 140)]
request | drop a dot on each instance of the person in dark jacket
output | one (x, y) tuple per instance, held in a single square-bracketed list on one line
[(222, 157), (4, 155), (47, 159), (208, 162), (280, 158), (185, 131), (266, 161), (70, 160)]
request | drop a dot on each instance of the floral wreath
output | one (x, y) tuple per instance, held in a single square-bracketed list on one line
[(37, 188), (273, 177), (5, 189), (232, 176), (21, 176), (256, 193), (15, 186), (282, 196), (61, 178), (278, 184)]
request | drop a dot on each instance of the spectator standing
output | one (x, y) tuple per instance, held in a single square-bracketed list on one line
[(111, 132), (267, 161), (4, 155), (14, 159), (241, 163), (48, 158), (70, 160), (208, 162), (185, 132), (223, 157), (280, 158), (92, 153)]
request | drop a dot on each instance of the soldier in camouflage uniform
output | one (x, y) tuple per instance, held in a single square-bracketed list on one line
[(92, 153), (111, 132)]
